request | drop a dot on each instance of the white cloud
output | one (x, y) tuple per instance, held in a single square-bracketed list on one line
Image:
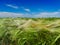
[(48, 14), (39, 15), (28, 10), (12, 6), (10, 14)]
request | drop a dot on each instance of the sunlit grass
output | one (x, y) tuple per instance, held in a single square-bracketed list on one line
[(30, 31)]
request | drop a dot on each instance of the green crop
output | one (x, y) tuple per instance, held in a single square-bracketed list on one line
[(30, 31)]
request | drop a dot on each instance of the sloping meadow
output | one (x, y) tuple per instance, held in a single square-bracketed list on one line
[(30, 31)]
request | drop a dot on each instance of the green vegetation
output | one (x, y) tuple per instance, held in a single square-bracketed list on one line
[(29, 31)]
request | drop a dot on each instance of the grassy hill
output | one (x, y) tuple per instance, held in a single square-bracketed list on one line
[(29, 31)]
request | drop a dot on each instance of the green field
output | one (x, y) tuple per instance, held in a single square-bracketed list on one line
[(29, 31)]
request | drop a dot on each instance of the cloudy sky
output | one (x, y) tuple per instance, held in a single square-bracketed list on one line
[(29, 8)]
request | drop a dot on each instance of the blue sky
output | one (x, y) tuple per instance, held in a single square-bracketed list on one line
[(30, 8)]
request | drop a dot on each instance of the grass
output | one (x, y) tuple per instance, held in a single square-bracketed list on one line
[(29, 31)]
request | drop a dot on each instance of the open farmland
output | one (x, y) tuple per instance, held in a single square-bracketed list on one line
[(29, 31)]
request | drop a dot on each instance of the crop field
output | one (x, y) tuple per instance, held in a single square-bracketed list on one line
[(29, 31)]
